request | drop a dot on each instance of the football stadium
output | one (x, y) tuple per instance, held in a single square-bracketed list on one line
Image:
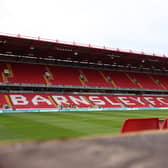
[(77, 101)]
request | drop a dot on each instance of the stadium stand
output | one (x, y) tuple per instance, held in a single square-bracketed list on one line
[(61, 75), (25, 73), (144, 81), (64, 75), (40, 74), (120, 79), (94, 78), (161, 80)]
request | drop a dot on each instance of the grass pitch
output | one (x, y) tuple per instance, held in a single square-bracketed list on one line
[(43, 126)]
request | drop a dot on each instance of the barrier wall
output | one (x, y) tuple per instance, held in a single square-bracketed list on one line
[(75, 102)]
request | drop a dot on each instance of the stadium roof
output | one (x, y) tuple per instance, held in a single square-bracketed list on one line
[(22, 47)]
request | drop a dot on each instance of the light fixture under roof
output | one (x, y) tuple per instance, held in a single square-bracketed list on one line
[(113, 56), (32, 47), (75, 53), (50, 56), (153, 60), (8, 52), (3, 41), (62, 49)]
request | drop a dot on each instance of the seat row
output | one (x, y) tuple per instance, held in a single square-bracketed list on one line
[(57, 75)]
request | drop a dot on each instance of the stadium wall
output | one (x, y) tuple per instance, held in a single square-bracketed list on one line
[(59, 102)]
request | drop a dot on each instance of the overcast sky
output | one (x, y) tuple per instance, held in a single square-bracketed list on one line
[(140, 25)]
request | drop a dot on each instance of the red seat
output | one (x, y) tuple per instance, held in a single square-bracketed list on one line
[(27, 73), (140, 124), (144, 80), (60, 75), (94, 78), (65, 76), (120, 79), (162, 79), (165, 124)]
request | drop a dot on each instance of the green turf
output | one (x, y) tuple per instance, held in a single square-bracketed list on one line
[(42, 126)]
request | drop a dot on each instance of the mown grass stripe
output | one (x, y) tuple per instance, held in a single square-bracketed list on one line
[(86, 126), (25, 126), (30, 129)]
